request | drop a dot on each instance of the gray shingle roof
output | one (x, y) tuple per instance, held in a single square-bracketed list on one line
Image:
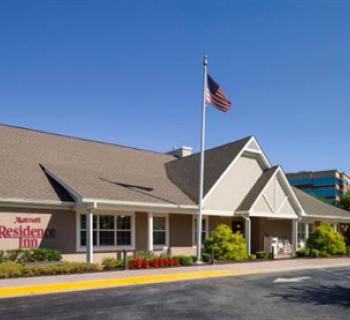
[(94, 169), (254, 192), (101, 170), (315, 207), (184, 172)]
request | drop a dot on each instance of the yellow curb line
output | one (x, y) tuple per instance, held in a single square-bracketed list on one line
[(127, 281)]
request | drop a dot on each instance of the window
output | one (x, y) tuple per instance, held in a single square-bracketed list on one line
[(159, 231), (83, 226), (108, 230), (301, 232), (204, 230), (106, 233), (123, 230)]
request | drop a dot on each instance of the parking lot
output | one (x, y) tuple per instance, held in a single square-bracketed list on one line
[(312, 294)]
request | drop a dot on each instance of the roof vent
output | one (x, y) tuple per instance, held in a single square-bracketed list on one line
[(181, 152)]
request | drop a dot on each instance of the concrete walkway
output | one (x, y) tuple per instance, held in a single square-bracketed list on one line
[(61, 283)]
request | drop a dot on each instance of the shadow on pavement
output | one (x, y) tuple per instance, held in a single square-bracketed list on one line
[(324, 295)]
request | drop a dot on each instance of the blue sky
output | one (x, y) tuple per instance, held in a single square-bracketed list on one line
[(130, 72)]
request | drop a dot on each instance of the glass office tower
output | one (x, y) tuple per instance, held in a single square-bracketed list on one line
[(329, 185)]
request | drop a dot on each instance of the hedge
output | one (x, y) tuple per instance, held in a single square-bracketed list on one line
[(12, 269), (30, 255), (112, 264)]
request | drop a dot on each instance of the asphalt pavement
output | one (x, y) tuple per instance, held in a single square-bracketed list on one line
[(310, 294)]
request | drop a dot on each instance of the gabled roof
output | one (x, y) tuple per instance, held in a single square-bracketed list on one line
[(184, 172), (258, 187), (317, 208)]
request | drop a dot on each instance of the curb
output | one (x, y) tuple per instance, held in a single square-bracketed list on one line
[(50, 288)]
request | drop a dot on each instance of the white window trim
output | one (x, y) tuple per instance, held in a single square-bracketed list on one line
[(98, 248), (166, 245), (305, 223), (299, 232), (194, 227)]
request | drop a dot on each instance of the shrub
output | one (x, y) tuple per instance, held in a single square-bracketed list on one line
[(206, 257), (10, 269), (32, 255), (326, 241), (252, 257), (144, 254), (185, 260), (15, 255), (263, 255), (45, 254), (111, 264), (226, 244), (63, 268), (303, 253), (314, 253), (2, 256)]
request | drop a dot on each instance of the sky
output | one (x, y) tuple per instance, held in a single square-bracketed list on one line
[(130, 72)]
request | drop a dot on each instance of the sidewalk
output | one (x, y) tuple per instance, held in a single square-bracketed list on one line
[(62, 283)]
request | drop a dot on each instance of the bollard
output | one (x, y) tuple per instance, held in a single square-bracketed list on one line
[(272, 252), (212, 256), (125, 259)]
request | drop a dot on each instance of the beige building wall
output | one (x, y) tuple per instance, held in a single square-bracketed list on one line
[(141, 227), (180, 230), (234, 185), (214, 221)]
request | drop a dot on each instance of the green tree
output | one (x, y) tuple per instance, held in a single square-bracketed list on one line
[(226, 244), (326, 241), (344, 202)]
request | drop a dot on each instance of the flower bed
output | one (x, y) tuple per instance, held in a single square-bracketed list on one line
[(157, 262)]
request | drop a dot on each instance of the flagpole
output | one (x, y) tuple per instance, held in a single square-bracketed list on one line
[(201, 167)]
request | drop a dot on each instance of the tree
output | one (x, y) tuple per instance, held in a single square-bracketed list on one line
[(344, 202), (226, 244), (326, 241)]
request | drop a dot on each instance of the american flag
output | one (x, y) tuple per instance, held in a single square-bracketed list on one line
[(215, 96)]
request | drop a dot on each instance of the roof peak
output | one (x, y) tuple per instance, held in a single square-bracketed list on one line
[(219, 146)]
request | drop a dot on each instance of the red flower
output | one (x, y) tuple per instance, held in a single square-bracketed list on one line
[(176, 262), (131, 264), (138, 263), (145, 263)]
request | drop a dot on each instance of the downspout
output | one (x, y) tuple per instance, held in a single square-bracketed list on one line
[(247, 233)]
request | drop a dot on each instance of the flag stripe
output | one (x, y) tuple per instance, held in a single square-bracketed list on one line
[(220, 101), (215, 96)]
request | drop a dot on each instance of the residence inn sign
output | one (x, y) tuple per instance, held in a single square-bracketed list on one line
[(24, 230)]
